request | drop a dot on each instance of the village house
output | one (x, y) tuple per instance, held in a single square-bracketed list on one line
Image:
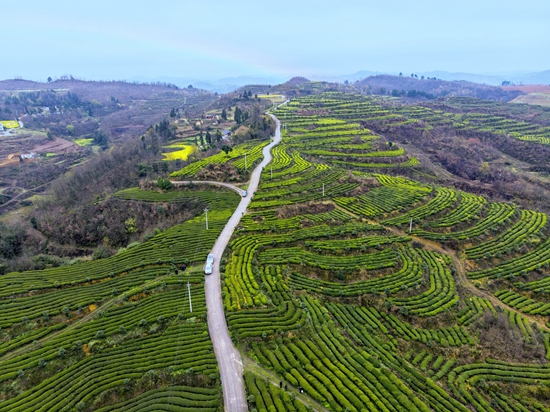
[(226, 133)]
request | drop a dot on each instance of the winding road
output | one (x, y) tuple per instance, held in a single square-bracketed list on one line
[(229, 359)]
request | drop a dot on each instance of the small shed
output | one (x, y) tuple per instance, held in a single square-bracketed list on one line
[(226, 133)]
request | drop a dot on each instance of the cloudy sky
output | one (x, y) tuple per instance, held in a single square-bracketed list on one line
[(212, 39)]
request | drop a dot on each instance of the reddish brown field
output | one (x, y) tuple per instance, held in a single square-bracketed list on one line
[(58, 146), (530, 88)]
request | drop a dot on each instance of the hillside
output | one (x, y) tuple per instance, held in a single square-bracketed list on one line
[(433, 88), (394, 257), (119, 109), (67, 122), (535, 94)]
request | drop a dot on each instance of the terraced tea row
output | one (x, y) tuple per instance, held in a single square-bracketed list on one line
[(537, 259), (523, 303), (208, 197), (334, 141), (443, 199), (409, 276), (356, 108), (463, 379), (180, 398), (530, 224), (74, 334), (242, 287), (266, 397), (411, 317), (170, 245), (498, 215), (236, 157), (131, 357), (470, 205), (383, 200), (268, 221)]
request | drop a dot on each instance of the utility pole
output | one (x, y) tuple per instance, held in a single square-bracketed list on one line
[(245, 163), (272, 171), (189, 293), (206, 211), (323, 190), (411, 226)]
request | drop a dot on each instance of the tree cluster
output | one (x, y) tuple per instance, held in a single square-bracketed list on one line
[(412, 94), (166, 130), (246, 95), (101, 139), (114, 223), (11, 240), (164, 184), (240, 116)]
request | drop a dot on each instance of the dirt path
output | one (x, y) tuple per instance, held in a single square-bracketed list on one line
[(24, 191), (341, 209), (207, 182), (463, 279)]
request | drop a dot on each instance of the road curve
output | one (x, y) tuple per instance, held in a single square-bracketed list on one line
[(207, 182), (229, 359)]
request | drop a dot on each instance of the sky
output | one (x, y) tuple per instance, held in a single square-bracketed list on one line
[(213, 39)]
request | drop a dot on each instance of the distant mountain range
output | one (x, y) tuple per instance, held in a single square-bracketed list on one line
[(225, 85), (494, 79), (229, 84)]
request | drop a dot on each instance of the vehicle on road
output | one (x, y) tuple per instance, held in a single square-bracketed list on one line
[(209, 264), (244, 193)]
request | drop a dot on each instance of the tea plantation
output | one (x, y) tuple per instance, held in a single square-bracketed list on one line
[(346, 287), (326, 288)]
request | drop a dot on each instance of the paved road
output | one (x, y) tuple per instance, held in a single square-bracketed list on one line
[(229, 359), (207, 182)]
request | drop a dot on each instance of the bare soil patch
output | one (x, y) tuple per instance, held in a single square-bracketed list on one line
[(57, 146), (530, 88)]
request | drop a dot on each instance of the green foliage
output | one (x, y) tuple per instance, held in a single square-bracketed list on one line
[(164, 184), (11, 240), (352, 310)]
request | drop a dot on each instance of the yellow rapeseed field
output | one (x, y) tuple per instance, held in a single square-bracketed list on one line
[(9, 124), (83, 142), (183, 154)]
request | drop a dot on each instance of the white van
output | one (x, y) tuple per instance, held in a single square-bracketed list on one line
[(208, 269), (209, 264)]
